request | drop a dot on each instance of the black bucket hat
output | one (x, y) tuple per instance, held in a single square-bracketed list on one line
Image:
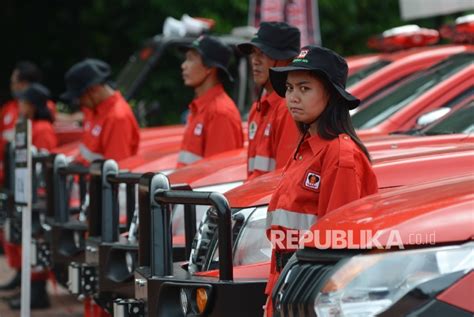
[(277, 40), (213, 52), (322, 61), (36, 94), (83, 75)]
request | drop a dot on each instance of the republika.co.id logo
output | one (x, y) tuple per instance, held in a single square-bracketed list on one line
[(348, 239)]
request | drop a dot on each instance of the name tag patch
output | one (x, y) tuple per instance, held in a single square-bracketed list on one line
[(267, 129), (198, 129), (96, 130), (312, 180)]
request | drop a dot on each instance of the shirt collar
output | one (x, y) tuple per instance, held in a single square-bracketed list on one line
[(316, 143), (269, 99), (105, 104), (200, 102)]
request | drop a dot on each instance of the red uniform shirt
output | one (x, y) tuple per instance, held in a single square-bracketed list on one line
[(43, 135), (111, 131), (326, 174), (214, 126), (8, 118), (272, 135)]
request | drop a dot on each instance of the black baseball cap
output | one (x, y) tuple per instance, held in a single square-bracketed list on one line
[(213, 52), (83, 75), (36, 94), (326, 63), (277, 40)]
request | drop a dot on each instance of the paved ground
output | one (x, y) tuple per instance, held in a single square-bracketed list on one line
[(62, 303)]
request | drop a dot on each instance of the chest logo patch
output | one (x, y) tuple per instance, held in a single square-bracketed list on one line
[(267, 129), (198, 129), (312, 180), (252, 130), (96, 130), (8, 119)]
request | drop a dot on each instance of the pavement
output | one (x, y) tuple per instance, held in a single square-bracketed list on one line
[(62, 304)]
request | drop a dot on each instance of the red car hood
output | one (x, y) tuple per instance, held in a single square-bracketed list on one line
[(227, 167), (165, 163), (231, 166), (165, 131), (255, 192), (392, 170), (152, 151), (441, 210)]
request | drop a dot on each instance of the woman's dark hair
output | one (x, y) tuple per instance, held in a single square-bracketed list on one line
[(28, 71), (42, 112), (334, 120)]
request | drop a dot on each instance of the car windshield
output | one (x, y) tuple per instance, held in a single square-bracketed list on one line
[(365, 72), (460, 121), (136, 65), (379, 109)]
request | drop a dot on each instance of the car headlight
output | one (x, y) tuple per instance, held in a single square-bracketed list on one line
[(367, 285), (253, 245), (184, 301)]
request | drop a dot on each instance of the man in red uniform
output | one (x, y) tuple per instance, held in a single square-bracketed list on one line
[(112, 131), (214, 125), (272, 132)]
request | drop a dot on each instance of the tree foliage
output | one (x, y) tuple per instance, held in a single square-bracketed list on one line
[(57, 33)]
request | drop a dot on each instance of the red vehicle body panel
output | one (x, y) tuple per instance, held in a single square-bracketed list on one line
[(222, 168), (359, 62), (164, 163), (154, 143), (392, 170), (436, 97), (460, 294), (407, 64), (231, 166), (67, 133), (422, 209)]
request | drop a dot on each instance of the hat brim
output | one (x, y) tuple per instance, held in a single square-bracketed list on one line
[(71, 95), (278, 76), (186, 47), (273, 53)]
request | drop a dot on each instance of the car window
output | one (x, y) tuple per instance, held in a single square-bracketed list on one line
[(460, 121), (365, 72), (378, 110)]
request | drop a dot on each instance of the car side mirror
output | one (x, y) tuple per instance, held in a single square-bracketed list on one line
[(432, 116)]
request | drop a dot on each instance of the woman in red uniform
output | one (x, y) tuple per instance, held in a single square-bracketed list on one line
[(34, 106), (330, 167)]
